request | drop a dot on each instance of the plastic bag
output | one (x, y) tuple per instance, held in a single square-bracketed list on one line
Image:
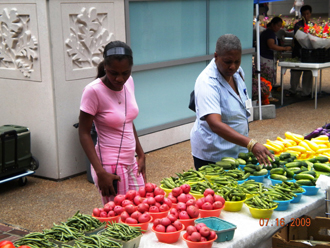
[(292, 10)]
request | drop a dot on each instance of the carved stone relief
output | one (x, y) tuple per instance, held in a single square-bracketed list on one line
[(18, 44), (88, 38)]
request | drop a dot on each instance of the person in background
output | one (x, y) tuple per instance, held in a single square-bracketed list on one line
[(109, 102), (266, 7), (297, 4), (221, 100), (307, 78), (269, 44)]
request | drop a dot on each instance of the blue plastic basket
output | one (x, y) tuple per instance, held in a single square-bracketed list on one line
[(282, 205), (310, 190), (258, 179), (224, 229), (298, 197), (241, 181)]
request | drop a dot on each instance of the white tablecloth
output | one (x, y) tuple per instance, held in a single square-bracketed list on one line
[(249, 233)]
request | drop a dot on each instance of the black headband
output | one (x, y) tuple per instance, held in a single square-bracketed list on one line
[(117, 51)]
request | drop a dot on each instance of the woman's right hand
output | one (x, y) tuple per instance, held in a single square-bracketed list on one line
[(262, 154), (105, 182)]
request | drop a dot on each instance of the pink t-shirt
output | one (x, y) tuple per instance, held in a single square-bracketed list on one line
[(109, 116)]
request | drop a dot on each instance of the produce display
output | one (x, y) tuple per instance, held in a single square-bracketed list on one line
[(299, 161)]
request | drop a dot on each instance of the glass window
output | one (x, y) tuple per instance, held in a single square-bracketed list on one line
[(226, 17), (163, 94), (167, 30)]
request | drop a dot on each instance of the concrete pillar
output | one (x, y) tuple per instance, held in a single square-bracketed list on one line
[(49, 51)]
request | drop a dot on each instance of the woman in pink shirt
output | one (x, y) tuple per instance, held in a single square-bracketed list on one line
[(109, 102)]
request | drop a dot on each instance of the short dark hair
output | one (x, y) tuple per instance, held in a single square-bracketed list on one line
[(113, 56), (274, 21), (306, 7)]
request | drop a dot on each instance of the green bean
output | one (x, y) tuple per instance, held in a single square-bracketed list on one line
[(121, 232)]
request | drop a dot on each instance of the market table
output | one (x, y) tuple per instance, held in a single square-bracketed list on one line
[(249, 232), (314, 67)]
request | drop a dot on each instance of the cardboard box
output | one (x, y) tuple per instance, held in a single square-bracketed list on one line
[(299, 234)]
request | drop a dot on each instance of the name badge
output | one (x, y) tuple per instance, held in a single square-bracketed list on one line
[(248, 104)]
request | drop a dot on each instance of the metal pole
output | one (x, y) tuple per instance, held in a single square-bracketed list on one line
[(258, 58)]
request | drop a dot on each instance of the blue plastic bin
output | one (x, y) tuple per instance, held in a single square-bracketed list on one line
[(224, 229), (298, 197), (282, 205), (310, 190), (258, 179), (241, 181)]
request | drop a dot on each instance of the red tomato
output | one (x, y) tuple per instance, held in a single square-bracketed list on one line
[(8, 245), (24, 246), (5, 243)]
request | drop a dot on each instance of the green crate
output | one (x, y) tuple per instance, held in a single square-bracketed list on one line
[(224, 229), (15, 149)]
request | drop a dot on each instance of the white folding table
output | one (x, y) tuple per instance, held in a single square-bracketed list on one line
[(314, 67)]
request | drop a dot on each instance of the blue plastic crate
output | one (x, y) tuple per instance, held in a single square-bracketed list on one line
[(224, 229)]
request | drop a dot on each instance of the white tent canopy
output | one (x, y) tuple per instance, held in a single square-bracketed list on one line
[(257, 2)]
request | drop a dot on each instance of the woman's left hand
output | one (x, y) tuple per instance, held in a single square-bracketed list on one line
[(262, 154), (142, 167)]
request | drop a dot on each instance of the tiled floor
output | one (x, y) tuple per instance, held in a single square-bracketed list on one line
[(11, 233)]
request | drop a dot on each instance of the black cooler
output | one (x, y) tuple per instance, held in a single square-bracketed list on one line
[(16, 160)]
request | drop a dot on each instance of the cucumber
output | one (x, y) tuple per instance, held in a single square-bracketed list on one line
[(289, 173), (303, 163), (244, 156), (304, 176), (224, 164), (262, 172), (313, 173), (293, 164), (321, 159), (279, 171), (241, 161), (313, 160), (285, 155), (321, 167), (249, 169), (278, 177), (305, 182)]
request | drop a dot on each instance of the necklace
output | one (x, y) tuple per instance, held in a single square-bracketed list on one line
[(105, 81), (119, 101)]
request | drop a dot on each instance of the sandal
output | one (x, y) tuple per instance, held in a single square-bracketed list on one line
[(272, 99)]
